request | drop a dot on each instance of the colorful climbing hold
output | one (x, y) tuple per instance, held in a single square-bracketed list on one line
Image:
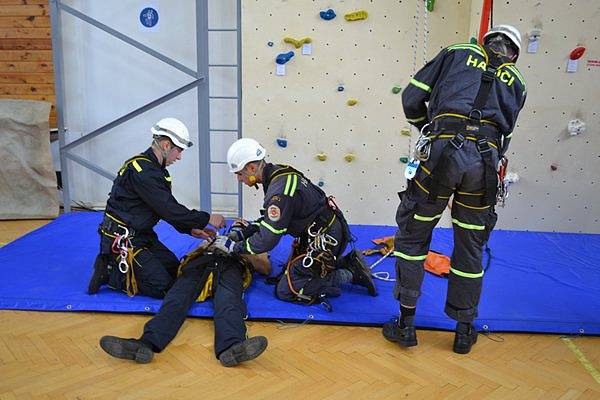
[(321, 183), (349, 157), (282, 142), (430, 4), (473, 40), (340, 88), (396, 89), (328, 14), (284, 57), (352, 102), (297, 43), (270, 44), (356, 15), (321, 156), (404, 160), (405, 132)]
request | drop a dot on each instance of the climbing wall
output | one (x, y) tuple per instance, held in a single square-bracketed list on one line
[(559, 186), (557, 189), (366, 58)]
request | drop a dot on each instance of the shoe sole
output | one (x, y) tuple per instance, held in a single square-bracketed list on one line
[(247, 350), (116, 347)]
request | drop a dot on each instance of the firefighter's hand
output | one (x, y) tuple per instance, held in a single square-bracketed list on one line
[(205, 233), (217, 220), (224, 244)]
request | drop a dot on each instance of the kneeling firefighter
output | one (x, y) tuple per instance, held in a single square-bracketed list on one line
[(465, 102), (293, 205), (204, 273)]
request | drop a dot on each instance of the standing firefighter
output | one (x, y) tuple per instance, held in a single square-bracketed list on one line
[(465, 102), (295, 206), (131, 257)]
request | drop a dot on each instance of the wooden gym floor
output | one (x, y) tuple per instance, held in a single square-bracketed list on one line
[(53, 355)]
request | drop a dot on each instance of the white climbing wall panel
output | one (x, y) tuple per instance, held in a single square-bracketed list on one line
[(369, 57)]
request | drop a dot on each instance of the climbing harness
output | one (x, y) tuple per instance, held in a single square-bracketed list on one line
[(502, 192), (121, 246)]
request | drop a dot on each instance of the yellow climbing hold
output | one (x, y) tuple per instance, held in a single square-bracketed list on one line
[(405, 131), (356, 15), (321, 156), (352, 102), (297, 43), (349, 157)]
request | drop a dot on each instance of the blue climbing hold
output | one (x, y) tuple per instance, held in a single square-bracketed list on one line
[(327, 15), (282, 142), (340, 88), (284, 57), (270, 44), (321, 183)]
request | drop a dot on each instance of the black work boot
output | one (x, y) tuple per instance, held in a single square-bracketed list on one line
[(405, 337), (127, 349), (464, 338), (361, 273), (100, 275), (247, 350)]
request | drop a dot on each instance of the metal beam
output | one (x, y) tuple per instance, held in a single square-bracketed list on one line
[(203, 105), (239, 93), (57, 58), (128, 40), (132, 114), (99, 170)]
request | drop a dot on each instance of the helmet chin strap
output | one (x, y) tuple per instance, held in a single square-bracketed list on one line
[(164, 153)]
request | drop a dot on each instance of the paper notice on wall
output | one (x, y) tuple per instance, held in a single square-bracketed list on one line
[(148, 16), (572, 66), (280, 69), (533, 46), (307, 49), (593, 63)]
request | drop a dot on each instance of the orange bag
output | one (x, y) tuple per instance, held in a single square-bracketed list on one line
[(437, 264)]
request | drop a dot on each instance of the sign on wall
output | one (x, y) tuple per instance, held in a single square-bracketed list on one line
[(148, 16)]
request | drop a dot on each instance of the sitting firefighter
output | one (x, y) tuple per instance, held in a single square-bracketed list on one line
[(131, 257), (295, 206), (205, 272)]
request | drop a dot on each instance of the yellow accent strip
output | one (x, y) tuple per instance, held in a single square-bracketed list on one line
[(426, 219), (468, 226), (294, 184), (136, 166), (467, 47), (485, 121), (515, 71), (275, 231), (420, 85), (471, 207), (509, 135), (118, 221), (466, 274), (451, 136), (417, 119), (470, 194), (427, 191), (287, 185), (409, 258), (248, 247), (168, 179), (582, 359)]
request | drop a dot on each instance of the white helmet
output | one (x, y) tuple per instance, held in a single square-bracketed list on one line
[(509, 31), (175, 130), (243, 151)]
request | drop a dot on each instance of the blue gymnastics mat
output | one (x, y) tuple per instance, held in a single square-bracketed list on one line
[(537, 282)]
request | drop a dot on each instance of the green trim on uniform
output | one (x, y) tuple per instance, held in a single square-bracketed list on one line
[(248, 247), (409, 258), (468, 226), (509, 135), (515, 71), (168, 179), (290, 185), (136, 166), (420, 85), (466, 274), (414, 120), (426, 219), (275, 231)]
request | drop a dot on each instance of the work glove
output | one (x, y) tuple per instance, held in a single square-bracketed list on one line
[(223, 244)]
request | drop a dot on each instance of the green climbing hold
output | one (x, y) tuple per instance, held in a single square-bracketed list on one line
[(473, 40), (430, 5), (404, 160), (396, 89)]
